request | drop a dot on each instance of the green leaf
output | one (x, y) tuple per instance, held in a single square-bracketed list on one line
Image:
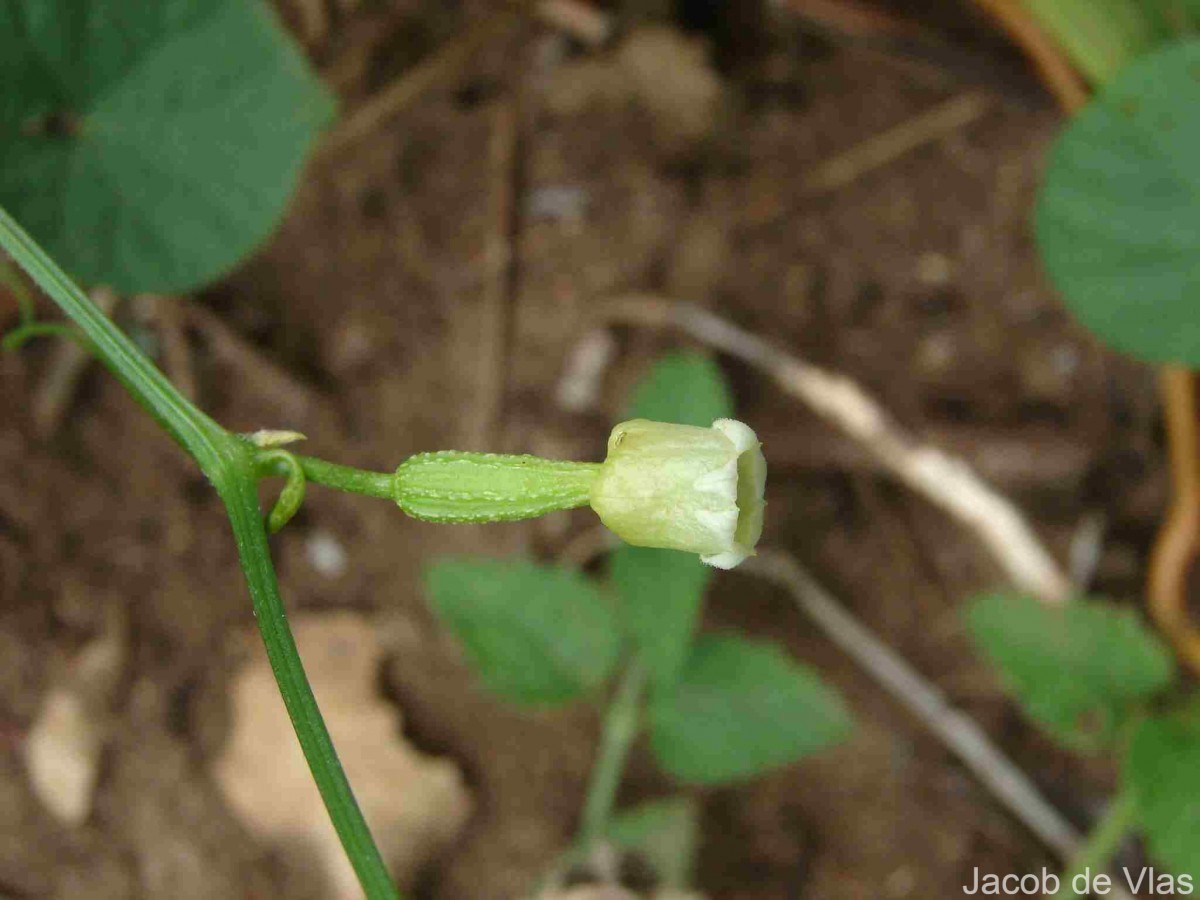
[(1118, 218), (1162, 771), (664, 833), (151, 146), (660, 593), (686, 388), (740, 708), (535, 634), (1076, 669)]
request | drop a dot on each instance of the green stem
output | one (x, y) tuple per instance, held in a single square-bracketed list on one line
[(620, 728), (342, 478), (201, 437), (230, 464), (1101, 843), (241, 502)]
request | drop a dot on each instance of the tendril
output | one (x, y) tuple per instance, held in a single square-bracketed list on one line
[(281, 462)]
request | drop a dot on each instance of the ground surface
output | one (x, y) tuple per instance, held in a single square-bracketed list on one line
[(382, 320)]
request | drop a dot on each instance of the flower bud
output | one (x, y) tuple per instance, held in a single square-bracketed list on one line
[(684, 488)]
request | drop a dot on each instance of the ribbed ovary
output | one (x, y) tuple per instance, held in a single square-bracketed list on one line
[(456, 486)]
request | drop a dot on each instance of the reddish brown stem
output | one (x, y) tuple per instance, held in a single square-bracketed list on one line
[(1179, 538), (1061, 78)]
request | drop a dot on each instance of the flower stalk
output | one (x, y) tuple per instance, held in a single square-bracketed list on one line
[(670, 486)]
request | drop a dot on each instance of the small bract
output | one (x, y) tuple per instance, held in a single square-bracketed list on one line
[(681, 487)]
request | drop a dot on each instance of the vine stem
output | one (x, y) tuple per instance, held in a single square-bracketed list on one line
[(334, 475), (1175, 547), (620, 728), (1101, 843), (230, 464)]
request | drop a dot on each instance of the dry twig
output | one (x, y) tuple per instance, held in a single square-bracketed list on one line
[(492, 325), (440, 67), (312, 20), (881, 149), (582, 21), (947, 481), (164, 316), (293, 396)]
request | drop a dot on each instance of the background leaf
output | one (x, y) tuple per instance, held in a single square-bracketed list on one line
[(1162, 771), (740, 708), (535, 634), (660, 593), (1076, 669), (684, 387), (1118, 218), (664, 833), (150, 146)]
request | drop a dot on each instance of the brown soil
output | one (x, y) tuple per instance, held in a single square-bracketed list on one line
[(381, 324)]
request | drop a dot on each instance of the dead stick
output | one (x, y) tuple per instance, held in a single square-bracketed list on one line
[(294, 397), (492, 324), (883, 148), (401, 94), (582, 21)]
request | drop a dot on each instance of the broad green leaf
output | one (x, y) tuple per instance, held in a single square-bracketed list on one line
[(535, 634), (1076, 669), (1161, 769), (684, 387), (659, 594), (740, 708), (1118, 218), (151, 146), (664, 833)]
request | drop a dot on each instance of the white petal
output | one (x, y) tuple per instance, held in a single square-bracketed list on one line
[(721, 525), (741, 434), (728, 558), (722, 482)]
